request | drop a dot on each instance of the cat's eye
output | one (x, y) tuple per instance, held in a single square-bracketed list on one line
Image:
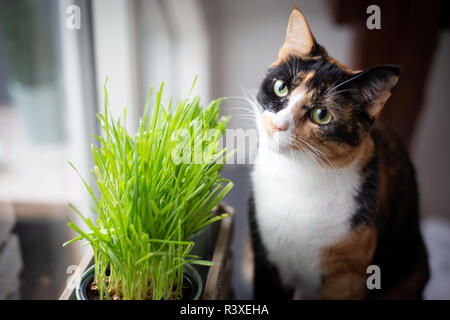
[(280, 88), (320, 115)]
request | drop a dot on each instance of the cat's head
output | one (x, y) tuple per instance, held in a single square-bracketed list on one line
[(312, 103)]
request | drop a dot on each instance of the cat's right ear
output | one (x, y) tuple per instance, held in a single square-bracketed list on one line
[(375, 86), (299, 39)]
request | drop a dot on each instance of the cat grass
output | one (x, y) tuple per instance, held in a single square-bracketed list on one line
[(148, 205)]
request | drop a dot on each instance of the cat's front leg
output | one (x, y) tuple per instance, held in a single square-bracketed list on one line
[(344, 264), (345, 285), (267, 282)]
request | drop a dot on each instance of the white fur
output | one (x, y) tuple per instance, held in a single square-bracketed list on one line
[(301, 208), (282, 119)]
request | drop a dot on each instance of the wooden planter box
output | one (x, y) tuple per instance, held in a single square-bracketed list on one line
[(218, 282)]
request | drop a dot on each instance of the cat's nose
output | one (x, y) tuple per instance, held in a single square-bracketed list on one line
[(281, 121), (280, 125), (273, 123)]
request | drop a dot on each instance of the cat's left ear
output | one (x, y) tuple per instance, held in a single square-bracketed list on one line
[(375, 86), (299, 39)]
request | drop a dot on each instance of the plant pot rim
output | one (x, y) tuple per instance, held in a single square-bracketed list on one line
[(190, 273)]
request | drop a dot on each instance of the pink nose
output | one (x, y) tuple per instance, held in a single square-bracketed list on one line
[(280, 124), (272, 125)]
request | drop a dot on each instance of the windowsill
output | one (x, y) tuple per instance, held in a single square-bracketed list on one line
[(29, 173)]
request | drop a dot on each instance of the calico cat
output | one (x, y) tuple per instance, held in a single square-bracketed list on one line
[(333, 190)]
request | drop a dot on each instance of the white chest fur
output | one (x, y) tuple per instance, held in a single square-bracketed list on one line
[(301, 208)]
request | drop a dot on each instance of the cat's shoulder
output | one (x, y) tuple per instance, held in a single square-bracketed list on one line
[(390, 149)]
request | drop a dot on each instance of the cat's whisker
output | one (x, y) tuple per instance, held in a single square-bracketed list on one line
[(239, 108), (242, 101), (268, 103), (252, 99), (310, 146), (342, 83), (318, 152), (313, 156), (306, 149), (296, 155), (253, 120), (318, 158), (248, 116), (246, 99), (254, 106), (329, 95), (249, 106)]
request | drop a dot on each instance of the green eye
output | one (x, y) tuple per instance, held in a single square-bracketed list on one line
[(280, 88), (320, 115)]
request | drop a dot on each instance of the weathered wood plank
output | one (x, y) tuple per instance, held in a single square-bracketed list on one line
[(86, 262), (219, 276)]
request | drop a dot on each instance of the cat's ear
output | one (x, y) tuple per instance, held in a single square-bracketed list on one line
[(299, 39), (375, 86)]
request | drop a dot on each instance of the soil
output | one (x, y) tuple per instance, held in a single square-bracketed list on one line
[(93, 294)]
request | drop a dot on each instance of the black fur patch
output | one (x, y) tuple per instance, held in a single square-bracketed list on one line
[(367, 198), (326, 75)]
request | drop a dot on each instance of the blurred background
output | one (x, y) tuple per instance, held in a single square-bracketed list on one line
[(56, 55)]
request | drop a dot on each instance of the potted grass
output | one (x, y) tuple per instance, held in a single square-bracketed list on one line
[(154, 192)]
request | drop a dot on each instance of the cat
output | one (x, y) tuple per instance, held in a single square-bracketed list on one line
[(334, 191)]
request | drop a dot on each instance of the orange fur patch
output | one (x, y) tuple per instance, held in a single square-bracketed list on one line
[(341, 65), (344, 265), (267, 123), (307, 77)]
